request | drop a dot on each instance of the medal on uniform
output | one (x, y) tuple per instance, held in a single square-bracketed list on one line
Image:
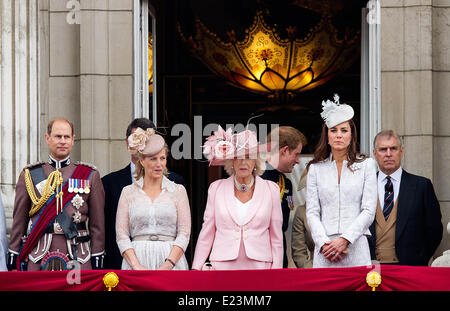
[(77, 202), (87, 188), (81, 189), (75, 187), (290, 202), (70, 189)]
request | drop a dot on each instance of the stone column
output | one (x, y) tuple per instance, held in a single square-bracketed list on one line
[(415, 69), (441, 110), (19, 110), (86, 70), (60, 70), (106, 81), (406, 74)]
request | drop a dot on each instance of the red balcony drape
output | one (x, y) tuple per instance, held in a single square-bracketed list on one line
[(394, 278)]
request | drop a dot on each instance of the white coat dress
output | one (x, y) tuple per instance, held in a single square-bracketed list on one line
[(341, 209)]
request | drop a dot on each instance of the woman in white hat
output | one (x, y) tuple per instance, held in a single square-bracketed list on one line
[(341, 192), (153, 222), (243, 219)]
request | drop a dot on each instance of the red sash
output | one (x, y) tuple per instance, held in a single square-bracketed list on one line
[(48, 214)]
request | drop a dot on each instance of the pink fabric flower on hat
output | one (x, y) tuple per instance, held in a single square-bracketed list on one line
[(245, 141), (219, 144), (224, 150), (137, 141), (223, 145)]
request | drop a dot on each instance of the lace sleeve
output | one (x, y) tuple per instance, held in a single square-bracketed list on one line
[(183, 218), (123, 222)]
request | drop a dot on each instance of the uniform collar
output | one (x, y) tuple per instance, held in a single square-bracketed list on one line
[(275, 171), (58, 163)]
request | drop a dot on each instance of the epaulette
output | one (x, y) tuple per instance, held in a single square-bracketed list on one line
[(34, 164), (87, 164)]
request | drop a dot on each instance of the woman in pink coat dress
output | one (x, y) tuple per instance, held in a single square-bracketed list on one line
[(242, 221)]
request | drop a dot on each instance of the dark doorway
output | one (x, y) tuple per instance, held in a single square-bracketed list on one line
[(188, 88)]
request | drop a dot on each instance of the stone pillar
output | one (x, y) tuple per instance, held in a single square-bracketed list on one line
[(415, 76), (106, 81), (19, 110), (406, 74), (441, 110), (60, 70), (64, 58), (86, 70)]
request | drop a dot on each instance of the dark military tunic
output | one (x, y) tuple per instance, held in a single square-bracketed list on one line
[(89, 220), (286, 202)]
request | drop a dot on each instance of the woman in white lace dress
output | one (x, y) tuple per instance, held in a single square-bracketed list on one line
[(153, 222), (341, 193)]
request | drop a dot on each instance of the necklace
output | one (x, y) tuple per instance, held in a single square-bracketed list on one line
[(243, 187)]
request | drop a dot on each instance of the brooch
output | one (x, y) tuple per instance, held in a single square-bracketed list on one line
[(354, 167)]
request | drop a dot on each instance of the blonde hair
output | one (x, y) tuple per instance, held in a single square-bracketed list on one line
[(260, 167), (140, 171)]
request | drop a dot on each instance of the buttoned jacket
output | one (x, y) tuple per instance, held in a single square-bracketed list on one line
[(347, 207), (261, 232), (418, 229), (91, 212)]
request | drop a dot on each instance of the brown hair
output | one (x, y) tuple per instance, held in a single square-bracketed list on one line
[(287, 136), (323, 149), (140, 171), (50, 125)]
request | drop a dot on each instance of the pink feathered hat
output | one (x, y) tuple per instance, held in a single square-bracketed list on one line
[(223, 145), (146, 142)]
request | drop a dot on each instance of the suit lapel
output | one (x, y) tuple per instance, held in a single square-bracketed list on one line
[(405, 201), (373, 236), (125, 175), (257, 199)]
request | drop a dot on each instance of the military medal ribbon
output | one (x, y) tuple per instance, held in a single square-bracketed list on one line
[(48, 213)]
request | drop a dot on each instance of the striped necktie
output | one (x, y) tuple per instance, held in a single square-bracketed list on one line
[(388, 198)]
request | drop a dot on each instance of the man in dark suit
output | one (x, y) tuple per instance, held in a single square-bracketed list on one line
[(290, 144), (407, 229), (113, 184)]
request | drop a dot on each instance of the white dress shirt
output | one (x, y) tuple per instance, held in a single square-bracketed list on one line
[(396, 177), (132, 169)]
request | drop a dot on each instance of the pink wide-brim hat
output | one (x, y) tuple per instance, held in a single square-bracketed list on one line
[(223, 146), (146, 142)]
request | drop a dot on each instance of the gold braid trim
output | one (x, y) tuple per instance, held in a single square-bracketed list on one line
[(54, 181)]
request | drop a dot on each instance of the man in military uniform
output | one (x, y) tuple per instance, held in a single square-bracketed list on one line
[(290, 144), (65, 203)]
